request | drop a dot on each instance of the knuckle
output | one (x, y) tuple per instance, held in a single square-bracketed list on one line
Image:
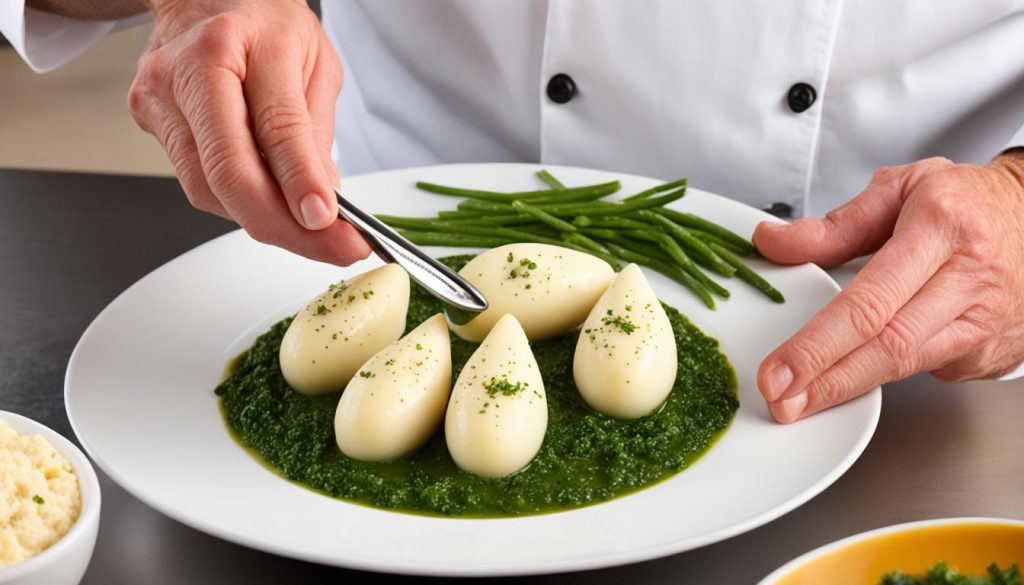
[(934, 162), (865, 313), (145, 88), (898, 342), (832, 388), (281, 122), (885, 175), (945, 206), (217, 35), (224, 166), (806, 356)]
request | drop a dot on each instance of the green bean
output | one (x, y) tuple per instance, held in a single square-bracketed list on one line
[(601, 208), (545, 217), (671, 247), (422, 238), (479, 194), (498, 197), (496, 220), (484, 237), (561, 198), (582, 240), (667, 269), (579, 241), (659, 189), (746, 274), (460, 214), (702, 252), (550, 179), (489, 207), (613, 222), (692, 221), (712, 238)]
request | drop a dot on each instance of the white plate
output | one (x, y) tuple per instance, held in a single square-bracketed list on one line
[(139, 393)]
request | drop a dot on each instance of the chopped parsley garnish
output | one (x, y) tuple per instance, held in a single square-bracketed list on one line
[(620, 322), (350, 299), (366, 374), (510, 258), (338, 289), (524, 268), (38, 499), (367, 294), (322, 310), (503, 387), (390, 362), (943, 574), (419, 346)]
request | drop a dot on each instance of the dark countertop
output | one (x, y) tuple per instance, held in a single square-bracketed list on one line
[(70, 243)]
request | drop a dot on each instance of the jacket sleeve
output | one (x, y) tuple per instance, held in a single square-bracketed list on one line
[(46, 41)]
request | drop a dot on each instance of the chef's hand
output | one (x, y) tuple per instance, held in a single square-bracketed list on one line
[(241, 94), (943, 293)]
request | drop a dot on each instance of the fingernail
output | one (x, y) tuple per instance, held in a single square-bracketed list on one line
[(314, 213), (790, 409), (778, 380)]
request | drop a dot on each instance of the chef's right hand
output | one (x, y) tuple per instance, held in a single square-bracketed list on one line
[(241, 94)]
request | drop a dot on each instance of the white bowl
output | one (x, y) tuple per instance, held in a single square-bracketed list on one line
[(65, 562)]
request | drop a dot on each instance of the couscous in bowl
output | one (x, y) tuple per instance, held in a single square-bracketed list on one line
[(65, 561)]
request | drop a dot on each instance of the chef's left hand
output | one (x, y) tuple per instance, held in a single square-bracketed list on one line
[(944, 292)]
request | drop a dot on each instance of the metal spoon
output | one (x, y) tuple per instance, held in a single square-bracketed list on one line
[(464, 301)]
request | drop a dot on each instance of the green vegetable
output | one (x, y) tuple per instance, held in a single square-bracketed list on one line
[(680, 245), (38, 499), (550, 180), (613, 222), (692, 221), (457, 240), (659, 189), (749, 276), (667, 269), (601, 189), (943, 574), (559, 224), (701, 252), (601, 208), (586, 457)]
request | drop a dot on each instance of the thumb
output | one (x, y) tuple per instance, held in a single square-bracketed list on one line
[(857, 228)]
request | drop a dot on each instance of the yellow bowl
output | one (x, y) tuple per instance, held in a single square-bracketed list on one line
[(968, 544)]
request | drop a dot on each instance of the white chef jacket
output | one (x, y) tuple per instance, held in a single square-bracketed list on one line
[(664, 88)]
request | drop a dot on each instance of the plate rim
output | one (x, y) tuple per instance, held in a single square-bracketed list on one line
[(476, 569)]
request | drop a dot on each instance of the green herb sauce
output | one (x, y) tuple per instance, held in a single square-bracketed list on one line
[(586, 457)]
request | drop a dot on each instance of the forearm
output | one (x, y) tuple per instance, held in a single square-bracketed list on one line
[(91, 9)]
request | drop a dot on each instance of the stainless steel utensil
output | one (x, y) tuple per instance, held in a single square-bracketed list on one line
[(464, 301)]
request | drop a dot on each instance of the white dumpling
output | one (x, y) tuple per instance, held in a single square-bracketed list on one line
[(549, 289), (341, 328), (625, 361), (397, 399), (498, 412)]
